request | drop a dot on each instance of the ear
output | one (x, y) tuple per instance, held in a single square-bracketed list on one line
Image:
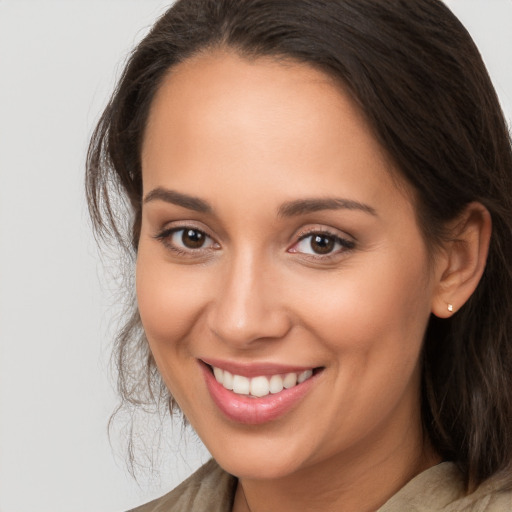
[(462, 260)]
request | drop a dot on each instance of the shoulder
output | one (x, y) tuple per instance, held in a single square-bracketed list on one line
[(209, 488), (441, 489)]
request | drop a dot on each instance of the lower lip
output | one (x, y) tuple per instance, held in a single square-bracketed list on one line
[(255, 411)]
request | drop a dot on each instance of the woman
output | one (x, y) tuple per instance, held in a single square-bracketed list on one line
[(320, 210)]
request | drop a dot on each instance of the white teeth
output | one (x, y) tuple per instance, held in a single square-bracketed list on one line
[(290, 380), (241, 385), (227, 381), (276, 384), (219, 374), (304, 376), (259, 386)]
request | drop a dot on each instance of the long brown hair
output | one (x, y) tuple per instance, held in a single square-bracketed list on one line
[(419, 79)]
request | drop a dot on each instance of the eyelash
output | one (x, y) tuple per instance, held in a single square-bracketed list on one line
[(165, 237), (344, 244)]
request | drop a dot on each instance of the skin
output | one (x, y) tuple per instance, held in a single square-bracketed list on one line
[(247, 137)]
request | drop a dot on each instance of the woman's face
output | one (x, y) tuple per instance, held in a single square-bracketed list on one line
[(276, 245)]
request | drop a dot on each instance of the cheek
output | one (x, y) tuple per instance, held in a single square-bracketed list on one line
[(378, 308), (372, 324), (169, 303)]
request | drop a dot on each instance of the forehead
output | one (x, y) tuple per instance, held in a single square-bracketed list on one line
[(284, 122)]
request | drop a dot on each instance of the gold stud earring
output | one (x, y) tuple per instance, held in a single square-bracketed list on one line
[(450, 308)]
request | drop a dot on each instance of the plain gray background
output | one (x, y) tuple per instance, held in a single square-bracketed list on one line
[(58, 63)]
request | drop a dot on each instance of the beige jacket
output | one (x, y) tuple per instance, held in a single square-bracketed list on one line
[(439, 489)]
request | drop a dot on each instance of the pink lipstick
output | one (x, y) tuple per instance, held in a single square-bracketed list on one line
[(253, 394)]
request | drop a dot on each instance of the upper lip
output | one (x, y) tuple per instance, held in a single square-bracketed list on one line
[(255, 369)]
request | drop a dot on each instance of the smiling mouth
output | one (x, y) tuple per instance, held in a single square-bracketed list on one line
[(260, 386)]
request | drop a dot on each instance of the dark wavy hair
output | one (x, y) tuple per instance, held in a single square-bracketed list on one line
[(419, 79)]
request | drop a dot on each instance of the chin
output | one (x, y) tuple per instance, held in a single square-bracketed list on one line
[(258, 468), (260, 459)]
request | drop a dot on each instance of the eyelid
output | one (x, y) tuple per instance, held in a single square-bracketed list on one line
[(183, 224), (326, 230)]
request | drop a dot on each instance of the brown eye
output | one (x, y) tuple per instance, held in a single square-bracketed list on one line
[(322, 244), (193, 238), (187, 240)]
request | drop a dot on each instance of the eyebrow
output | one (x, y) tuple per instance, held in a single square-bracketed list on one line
[(288, 209), (304, 206), (179, 199)]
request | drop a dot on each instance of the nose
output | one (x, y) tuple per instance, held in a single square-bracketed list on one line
[(247, 306)]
